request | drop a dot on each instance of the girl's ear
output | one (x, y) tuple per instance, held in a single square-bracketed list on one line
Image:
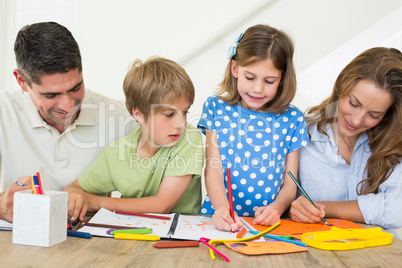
[(233, 69), (138, 115)]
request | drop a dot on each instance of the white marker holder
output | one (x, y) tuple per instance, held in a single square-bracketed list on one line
[(40, 220)]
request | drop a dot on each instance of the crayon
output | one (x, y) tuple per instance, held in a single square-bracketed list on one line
[(178, 244), (132, 231), (137, 237), (78, 234), (241, 233)]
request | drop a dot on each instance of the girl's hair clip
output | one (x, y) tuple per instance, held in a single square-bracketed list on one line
[(232, 48)]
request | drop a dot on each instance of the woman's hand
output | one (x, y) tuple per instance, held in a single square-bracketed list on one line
[(301, 210)]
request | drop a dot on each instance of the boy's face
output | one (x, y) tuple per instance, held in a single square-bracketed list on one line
[(165, 126)]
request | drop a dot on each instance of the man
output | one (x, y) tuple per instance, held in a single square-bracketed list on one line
[(54, 125)]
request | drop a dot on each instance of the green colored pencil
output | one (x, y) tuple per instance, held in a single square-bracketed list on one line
[(305, 194)]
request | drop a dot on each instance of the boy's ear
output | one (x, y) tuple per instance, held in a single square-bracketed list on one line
[(138, 115), (233, 69), (20, 80)]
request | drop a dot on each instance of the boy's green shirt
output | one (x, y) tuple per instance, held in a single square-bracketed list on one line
[(119, 168)]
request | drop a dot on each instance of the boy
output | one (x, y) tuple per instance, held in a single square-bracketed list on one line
[(157, 168)]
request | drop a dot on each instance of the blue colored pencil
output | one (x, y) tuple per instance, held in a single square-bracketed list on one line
[(280, 239)]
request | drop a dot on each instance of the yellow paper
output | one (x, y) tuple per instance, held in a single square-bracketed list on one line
[(260, 248)]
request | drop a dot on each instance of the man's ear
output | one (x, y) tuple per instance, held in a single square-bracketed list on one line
[(138, 115), (233, 69), (20, 80)]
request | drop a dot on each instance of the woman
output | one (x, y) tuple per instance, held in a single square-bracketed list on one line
[(351, 169)]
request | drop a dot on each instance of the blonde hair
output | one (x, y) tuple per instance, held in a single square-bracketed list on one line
[(261, 42), (383, 67), (156, 81)]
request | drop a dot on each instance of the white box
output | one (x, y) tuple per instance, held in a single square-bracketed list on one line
[(40, 220)]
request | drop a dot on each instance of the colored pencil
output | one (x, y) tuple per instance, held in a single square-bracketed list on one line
[(305, 194), (178, 244), (281, 239), (109, 226), (143, 215), (33, 185), (230, 194), (69, 224)]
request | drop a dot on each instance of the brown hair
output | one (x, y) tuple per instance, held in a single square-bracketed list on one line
[(155, 81), (45, 48), (261, 42), (382, 66)]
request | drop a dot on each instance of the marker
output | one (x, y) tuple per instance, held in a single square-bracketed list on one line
[(305, 194), (36, 184), (137, 237), (39, 182), (78, 234), (179, 244), (142, 215)]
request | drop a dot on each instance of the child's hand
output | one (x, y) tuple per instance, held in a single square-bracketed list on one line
[(268, 215), (77, 204), (222, 220), (301, 210)]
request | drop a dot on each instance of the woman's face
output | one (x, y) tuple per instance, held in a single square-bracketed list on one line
[(362, 109)]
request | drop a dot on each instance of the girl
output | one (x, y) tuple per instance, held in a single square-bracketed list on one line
[(252, 129), (356, 138)]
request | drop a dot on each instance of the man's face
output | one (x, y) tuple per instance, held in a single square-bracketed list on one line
[(58, 98)]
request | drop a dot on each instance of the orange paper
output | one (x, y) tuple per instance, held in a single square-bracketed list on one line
[(296, 229), (260, 248)]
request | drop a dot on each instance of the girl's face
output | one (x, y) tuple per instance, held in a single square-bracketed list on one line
[(257, 83), (362, 109)]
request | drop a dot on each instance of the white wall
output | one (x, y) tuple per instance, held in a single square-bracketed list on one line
[(196, 34)]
